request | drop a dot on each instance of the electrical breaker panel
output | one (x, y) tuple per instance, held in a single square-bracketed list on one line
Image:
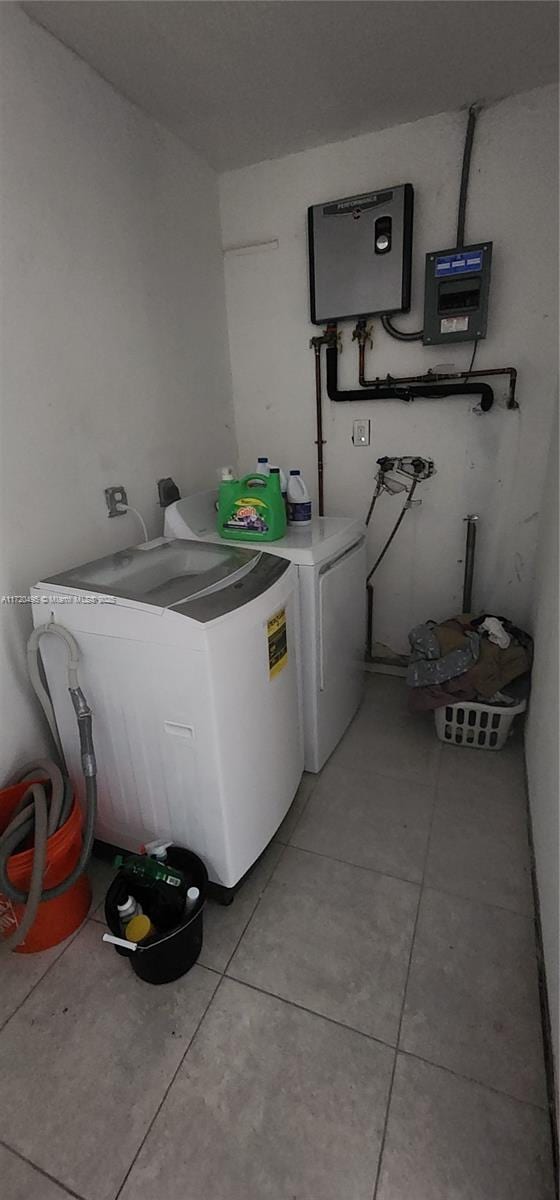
[(360, 252), (456, 294)]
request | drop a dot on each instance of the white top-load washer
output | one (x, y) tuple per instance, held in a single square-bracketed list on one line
[(330, 557), (188, 661)]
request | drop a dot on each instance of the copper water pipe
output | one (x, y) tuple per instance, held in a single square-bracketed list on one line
[(361, 336), (329, 337), (319, 441)]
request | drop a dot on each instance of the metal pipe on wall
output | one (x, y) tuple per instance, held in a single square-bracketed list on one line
[(369, 630), (407, 388), (469, 138), (432, 376), (470, 548), (329, 337), (407, 392), (319, 441)]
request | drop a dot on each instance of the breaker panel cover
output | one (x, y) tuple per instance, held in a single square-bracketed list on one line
[(456, 294)]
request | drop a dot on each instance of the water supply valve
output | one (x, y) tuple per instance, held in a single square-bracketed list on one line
[(363, 334), (411, 466)]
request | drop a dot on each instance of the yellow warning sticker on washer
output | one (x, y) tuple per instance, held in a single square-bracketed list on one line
[(277, 643)]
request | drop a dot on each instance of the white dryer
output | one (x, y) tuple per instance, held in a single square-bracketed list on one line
[(330, 557), (189, 662)]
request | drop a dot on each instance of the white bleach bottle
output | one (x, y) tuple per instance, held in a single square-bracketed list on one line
[(127, 910), (299, 500), (263, 466), (283, 480)]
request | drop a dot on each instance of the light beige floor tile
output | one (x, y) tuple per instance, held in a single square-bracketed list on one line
[(479, 846), (369, 820), (306, 787), (271, 1103), (333, 938), (20, 1181), (472, 1000), (449, 1139), (87, 1059), (224, 924)]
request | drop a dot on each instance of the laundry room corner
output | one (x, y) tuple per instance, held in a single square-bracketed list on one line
[(114, 357), (491, 462), (279, 678)]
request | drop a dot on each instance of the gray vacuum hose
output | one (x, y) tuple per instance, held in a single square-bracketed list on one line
[(38, 815)]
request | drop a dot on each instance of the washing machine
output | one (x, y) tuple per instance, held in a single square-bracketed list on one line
[(189, 663), (329, 556)]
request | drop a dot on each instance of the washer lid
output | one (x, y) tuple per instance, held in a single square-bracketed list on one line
[(165, 574)]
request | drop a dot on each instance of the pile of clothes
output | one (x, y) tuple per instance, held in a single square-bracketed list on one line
[(468, 658)]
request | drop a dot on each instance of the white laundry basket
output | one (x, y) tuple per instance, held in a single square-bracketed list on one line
[(482, 726)]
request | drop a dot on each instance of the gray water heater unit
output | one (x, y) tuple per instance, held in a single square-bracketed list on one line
[(360, 254)]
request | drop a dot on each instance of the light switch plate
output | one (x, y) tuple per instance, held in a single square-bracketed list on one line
[(360, 432)]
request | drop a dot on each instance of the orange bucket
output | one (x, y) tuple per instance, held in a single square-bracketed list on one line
[(56, 919)]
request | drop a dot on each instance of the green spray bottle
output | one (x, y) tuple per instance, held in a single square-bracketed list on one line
[(149, 871)]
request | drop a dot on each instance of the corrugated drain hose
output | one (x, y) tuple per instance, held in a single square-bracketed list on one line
[(40, 813)]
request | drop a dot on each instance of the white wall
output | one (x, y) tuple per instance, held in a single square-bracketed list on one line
[(490, 464), (541, 741), (114, 351)]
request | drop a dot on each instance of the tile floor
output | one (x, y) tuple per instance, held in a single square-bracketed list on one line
[(363, 1021)]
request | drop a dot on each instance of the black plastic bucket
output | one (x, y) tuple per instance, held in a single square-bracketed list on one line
[(162, 957)]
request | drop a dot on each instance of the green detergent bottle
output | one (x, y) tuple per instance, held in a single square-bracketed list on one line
[(252, 509)]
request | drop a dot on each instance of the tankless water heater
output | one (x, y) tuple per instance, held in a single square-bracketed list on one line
[(360, 253)]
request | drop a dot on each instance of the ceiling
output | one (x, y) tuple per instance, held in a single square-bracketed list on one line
[(244, 80)]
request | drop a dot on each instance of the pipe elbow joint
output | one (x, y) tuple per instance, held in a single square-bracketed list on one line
[(486, 397), (81, 706)]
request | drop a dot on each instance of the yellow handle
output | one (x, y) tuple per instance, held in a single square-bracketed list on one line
[(138, 928)]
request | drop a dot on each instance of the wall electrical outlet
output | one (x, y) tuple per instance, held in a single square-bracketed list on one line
[(113, 497), (360, 432)]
